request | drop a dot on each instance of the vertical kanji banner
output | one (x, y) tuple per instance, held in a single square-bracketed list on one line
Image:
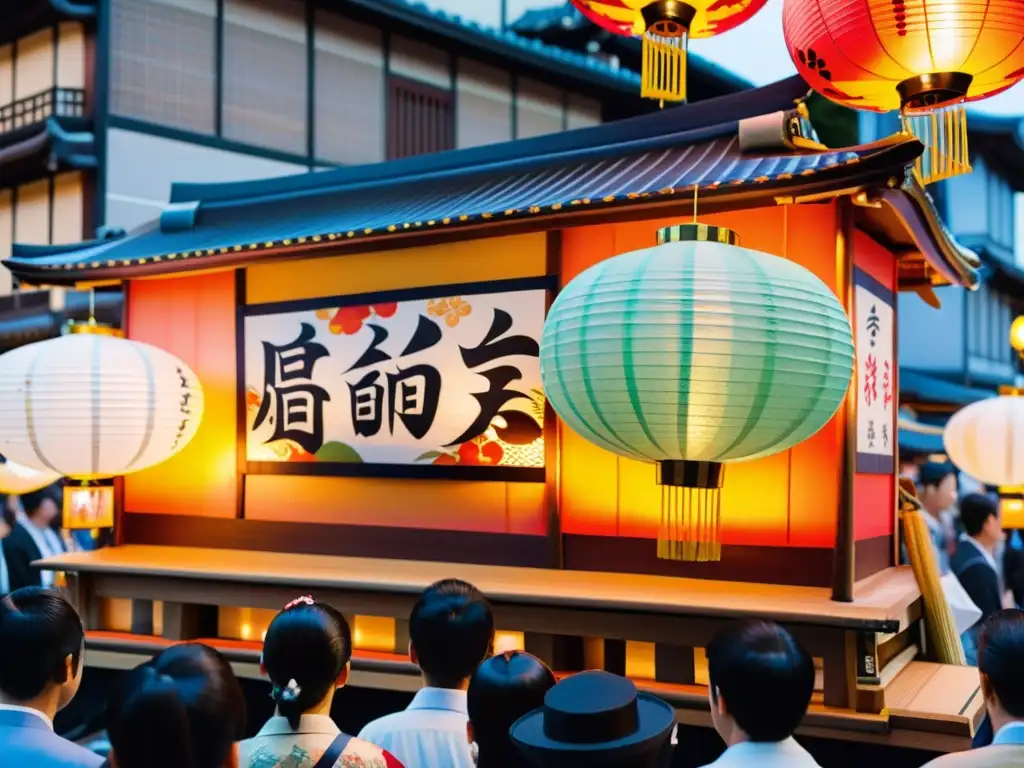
[(874, 330), (450, 379)]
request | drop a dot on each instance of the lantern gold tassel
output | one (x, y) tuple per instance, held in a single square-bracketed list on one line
[(664, 67), (946, 645), (691, 511), (666, 25), (944, 135)]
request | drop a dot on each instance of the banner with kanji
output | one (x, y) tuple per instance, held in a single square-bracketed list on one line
[(450, 379), (875, 331)]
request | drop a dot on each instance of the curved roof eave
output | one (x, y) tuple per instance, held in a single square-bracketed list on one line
[(475, 205), (956, 264)]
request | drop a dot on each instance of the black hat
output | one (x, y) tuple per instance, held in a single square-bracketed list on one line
[(594, 712)]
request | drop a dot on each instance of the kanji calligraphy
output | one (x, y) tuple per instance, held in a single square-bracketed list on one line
[(874, 328), (406, 384)]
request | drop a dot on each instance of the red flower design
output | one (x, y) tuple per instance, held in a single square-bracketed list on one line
[(349, 320), (481, 453)]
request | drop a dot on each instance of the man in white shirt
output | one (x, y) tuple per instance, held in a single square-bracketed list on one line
[(761, 682), (451, 630), (33, 538), (40, 671), (1001, 664)]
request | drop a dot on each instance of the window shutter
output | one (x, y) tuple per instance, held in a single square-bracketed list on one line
[(420, 118), (266, 74), (349, 91), (163, 62)]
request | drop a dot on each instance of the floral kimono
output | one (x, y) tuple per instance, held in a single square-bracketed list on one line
[(278, 746)]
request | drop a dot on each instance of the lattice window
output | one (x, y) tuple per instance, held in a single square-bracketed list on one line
[(421, 118), (163, 62), (266, 74)]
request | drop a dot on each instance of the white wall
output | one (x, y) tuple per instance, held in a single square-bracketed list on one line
[(141, 169)]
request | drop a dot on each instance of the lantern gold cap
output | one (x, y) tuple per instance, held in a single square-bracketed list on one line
[(668, 18), (704, 233), (93, 328)]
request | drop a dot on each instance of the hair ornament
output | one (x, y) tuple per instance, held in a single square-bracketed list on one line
[(287, 694), (304, 600)]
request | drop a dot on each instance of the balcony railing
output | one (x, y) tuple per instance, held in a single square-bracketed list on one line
[(35, 109)]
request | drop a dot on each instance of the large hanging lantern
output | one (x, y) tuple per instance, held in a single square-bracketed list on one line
[(91, 405), (18, 480), (986, 440), (692, 354), (666, 26), (923, 58)]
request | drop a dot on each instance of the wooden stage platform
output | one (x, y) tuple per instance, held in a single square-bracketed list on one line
[(875, 687)]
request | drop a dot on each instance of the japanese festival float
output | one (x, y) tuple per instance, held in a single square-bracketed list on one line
[(634, 381)]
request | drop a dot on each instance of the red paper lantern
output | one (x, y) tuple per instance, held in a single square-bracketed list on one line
[(922, 57), (666, 26)]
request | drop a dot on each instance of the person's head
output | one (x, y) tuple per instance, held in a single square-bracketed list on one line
[(42, 507), (1001, 664), (183, 709), (451, 630), (979, 515), (41, 644), (937, 486), (503, 689), (761, 682), (306, 655)]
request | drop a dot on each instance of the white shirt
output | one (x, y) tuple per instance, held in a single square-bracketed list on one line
[(766, 754), (430, 732), (28, 711)]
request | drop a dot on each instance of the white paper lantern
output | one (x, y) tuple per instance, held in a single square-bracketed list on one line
[(89, 405), (18, 480), (986, 440)]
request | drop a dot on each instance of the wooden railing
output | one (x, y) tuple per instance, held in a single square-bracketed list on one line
[(34, 109)]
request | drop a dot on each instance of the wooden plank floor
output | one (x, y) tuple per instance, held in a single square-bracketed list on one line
[(880, 602)]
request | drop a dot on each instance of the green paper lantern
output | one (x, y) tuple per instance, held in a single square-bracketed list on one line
[(691, 354)]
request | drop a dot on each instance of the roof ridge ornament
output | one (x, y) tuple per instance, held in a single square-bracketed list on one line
[(785, 130)]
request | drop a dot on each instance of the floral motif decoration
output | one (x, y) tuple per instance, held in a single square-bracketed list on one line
[(514, 438), (348, 321), (452, 309)]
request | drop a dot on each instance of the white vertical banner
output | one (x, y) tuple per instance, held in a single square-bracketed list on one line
[(877, 398)]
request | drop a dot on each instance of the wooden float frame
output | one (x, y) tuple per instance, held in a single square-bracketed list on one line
[(907, 702)]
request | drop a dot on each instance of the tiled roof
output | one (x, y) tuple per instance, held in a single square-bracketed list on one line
[(654, 159), (931, 389)]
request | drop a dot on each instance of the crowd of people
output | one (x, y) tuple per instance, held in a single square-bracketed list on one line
[(30, 530), (186, 709), (968, 541)]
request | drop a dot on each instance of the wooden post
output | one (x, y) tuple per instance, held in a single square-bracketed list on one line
[(189, 622), (142, 617), (552, 431), (843, 556), (673, 664)]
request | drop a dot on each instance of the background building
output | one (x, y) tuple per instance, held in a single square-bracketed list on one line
[(104, 104), (954, 344)]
